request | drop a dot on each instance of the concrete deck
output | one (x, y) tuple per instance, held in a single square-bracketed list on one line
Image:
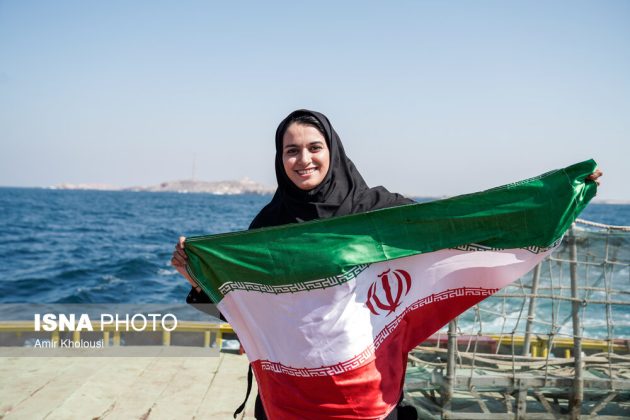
[(124, 387)]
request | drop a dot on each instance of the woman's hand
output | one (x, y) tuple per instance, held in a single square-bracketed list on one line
[(595, 175), (180, 261)]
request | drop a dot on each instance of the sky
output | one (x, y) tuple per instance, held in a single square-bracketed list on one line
[(430, 98)]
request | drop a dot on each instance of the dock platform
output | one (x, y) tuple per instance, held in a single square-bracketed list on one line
[(124, 387)]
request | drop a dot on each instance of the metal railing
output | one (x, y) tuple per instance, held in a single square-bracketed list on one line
[(552, 345), (112, 336)]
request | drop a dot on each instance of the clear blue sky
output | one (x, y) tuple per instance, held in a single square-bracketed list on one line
[(430, 98)]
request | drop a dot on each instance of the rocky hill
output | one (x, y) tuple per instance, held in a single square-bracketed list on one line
[(244, 186)]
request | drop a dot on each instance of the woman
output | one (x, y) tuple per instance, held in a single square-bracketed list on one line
[(315, 180)]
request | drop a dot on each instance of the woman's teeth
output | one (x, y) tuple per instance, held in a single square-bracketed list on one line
[(306, 171)]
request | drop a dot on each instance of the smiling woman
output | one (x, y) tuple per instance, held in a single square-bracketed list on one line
[(316, 180)]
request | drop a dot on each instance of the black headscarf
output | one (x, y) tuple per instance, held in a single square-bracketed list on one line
[(343, 190)]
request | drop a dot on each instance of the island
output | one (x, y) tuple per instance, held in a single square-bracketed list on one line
[(243, 186)]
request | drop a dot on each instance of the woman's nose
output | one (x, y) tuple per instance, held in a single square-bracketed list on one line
[(305, 157)]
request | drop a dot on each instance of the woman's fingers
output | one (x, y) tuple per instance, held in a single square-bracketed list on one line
[(181, 253), (595, 175), (179, 248), (178, 260)]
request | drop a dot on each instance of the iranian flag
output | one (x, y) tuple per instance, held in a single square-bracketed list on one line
[(327, 310)]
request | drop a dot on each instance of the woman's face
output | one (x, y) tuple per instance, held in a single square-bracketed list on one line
[(305, 156)]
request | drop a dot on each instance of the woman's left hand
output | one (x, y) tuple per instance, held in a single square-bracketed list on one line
[(595, 175), (180, 261)]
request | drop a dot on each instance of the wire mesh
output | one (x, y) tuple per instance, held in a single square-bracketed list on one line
[(555, 343)]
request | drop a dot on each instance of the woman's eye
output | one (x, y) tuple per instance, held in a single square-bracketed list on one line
[(290, 152), (316, 148)]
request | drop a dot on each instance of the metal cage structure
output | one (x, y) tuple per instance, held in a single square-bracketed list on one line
[(553, 345)]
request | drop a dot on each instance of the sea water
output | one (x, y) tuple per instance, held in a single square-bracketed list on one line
[(62, 246)]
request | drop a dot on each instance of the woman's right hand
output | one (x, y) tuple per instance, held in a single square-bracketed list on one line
[(180, 261)]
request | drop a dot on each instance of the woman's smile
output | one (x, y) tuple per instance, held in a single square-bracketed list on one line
[(306, 172), (305, 156)]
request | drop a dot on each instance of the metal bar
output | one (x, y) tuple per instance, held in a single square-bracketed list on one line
[(219, 339), (531, 312), (613, 262), (494, 416), (602, 225), (480, 401), (564, 298), (447, 391), (483, 383), (508, 404), (590, 288), (521, 399), (609, 319), (541, 398), (577, 394), (603, 403), (166, 338)]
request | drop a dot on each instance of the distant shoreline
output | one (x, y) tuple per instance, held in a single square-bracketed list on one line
[(243, 186), (262, 191)]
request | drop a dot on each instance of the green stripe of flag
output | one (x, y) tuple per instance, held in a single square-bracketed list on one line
[(535, 212)]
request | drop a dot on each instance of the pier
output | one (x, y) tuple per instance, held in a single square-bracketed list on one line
[(124, 387)]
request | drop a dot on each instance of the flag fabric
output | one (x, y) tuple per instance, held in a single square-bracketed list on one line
[(328, 310)]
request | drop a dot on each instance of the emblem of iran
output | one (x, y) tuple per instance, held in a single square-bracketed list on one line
[(386, 293)]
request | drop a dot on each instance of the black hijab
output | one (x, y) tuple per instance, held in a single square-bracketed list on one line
[(343, 190)]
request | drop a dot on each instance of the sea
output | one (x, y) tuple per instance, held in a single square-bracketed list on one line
[(69, 246)]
